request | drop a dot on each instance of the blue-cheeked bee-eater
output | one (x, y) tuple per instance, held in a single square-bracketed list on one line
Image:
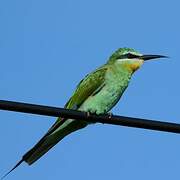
[(97, 93)]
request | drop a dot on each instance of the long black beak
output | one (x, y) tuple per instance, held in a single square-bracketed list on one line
[(148, 57)]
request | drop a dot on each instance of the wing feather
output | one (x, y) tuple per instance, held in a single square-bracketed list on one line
[(90, 84)]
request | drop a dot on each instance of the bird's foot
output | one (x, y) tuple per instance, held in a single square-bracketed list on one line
[(88, 113), (110, 114)]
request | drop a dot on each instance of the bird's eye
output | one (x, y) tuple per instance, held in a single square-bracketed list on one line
[(128, 56), (131, 56)]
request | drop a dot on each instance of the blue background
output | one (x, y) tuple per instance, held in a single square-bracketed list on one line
[(47, 47)]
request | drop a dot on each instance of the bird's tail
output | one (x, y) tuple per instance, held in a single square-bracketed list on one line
[(56, 133), (12, 169)]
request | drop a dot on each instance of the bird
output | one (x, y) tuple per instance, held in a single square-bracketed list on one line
[(97, 93)]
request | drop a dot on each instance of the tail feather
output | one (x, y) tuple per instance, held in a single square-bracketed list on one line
[(39, 147), (56, 133), (47, 142), (35, 153), (12, 169)]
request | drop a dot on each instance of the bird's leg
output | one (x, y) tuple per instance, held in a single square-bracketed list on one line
[(88, 113), (110, 114)]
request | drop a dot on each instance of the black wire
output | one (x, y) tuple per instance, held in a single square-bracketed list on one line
[(78, 115)]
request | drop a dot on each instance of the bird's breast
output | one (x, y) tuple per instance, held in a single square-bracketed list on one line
[(108, 96)]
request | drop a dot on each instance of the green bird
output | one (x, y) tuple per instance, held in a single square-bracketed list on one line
[(97, 93)]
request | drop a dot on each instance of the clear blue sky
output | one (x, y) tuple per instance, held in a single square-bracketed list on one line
[(47, 47)]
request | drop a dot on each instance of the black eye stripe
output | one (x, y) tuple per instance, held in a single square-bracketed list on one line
[(128, 55)]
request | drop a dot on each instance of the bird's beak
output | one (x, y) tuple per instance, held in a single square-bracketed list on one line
[(149, 57)]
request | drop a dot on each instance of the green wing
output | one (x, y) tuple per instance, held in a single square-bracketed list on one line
[(89, 86)]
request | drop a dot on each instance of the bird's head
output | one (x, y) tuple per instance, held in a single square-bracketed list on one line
[(130, 58)]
